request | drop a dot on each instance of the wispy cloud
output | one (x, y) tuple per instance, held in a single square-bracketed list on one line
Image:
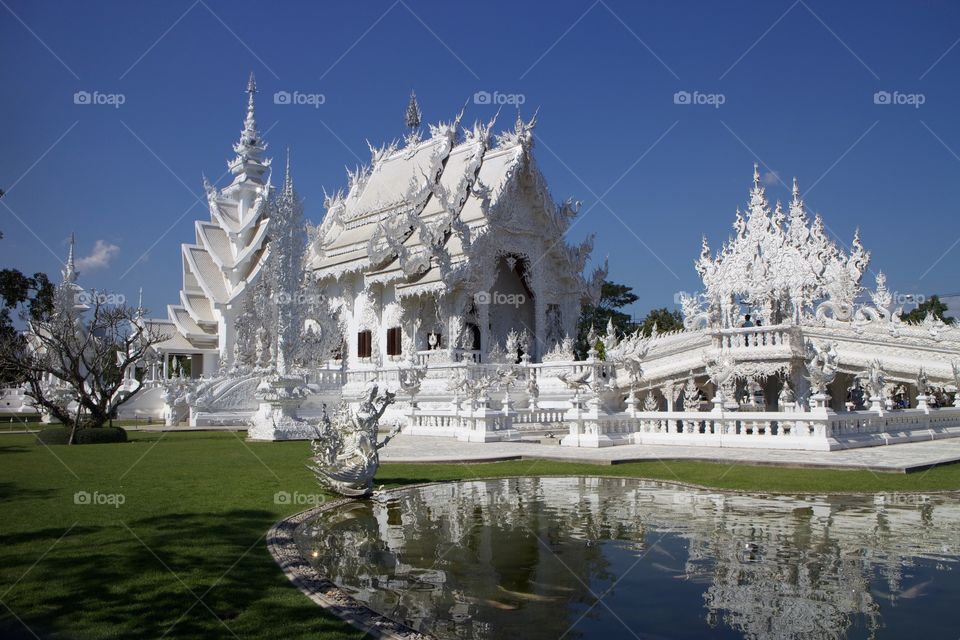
[(101, 256), (771, 178)]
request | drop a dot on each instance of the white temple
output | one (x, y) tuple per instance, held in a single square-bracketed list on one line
[(441, 272)]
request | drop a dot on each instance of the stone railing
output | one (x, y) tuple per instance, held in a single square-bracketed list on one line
[(539, 418), (329, 378), (426, 357), (774, 336), (813, 430), (477, 423)]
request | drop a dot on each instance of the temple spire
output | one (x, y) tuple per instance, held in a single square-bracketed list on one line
[(413, 115), (251, 90), (756, 176), (69, 273), (288, 177), (249, 162)]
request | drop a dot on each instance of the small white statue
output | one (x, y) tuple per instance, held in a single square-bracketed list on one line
[(345, 452)]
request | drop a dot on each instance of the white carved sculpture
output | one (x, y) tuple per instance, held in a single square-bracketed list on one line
[(923, 389), (650, 402), (575, 381), (821, 366), (722, 372), (346, 449), (787, 400), (955, 370), (875, 381), (691, 396)]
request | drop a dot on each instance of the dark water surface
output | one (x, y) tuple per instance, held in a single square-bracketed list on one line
[(545, 558)]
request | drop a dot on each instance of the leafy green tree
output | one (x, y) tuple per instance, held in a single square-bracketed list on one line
[(664, 319), (930, 305), (613, 297), (29, 296)]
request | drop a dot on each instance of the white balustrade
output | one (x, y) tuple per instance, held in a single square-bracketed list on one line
[(781, 430)]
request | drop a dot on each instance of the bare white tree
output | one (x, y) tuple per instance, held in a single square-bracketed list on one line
[(78, 353)]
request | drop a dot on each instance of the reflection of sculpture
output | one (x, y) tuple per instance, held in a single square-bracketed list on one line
[(345, 451)]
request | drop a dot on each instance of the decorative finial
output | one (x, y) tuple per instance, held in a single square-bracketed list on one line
[(70, 272), (249, 162), (251, 90), (756, 175), (288, 176), (796, 189), (413, 114)]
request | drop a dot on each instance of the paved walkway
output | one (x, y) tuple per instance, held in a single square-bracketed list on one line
[(892, 458)]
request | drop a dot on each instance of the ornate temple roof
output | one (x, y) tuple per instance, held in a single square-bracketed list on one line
[(780, 264), (411, 217)]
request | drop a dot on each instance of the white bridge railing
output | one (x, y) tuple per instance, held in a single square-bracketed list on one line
[(814, 430), (478, 423), (590, 427)]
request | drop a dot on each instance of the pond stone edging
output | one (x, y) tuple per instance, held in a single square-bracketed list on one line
[(324, 592)]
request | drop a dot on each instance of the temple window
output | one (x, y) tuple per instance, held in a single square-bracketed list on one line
[(394, 341), (364, 344)]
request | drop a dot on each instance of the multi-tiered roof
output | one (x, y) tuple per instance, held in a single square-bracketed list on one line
[(229, 251)]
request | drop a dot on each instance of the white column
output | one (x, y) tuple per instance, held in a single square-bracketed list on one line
[(483, 317)]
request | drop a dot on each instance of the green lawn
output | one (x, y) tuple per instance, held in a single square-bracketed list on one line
[(184, 555)]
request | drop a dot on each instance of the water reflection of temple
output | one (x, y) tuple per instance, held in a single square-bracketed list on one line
[(459, 559)]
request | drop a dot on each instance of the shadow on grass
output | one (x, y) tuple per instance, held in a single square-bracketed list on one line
[(11, 492), (14, 448), (186, 575)]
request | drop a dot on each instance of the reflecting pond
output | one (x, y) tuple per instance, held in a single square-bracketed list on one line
[(621, 558)]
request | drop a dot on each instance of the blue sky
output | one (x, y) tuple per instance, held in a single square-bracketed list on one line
[(797, 82)]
